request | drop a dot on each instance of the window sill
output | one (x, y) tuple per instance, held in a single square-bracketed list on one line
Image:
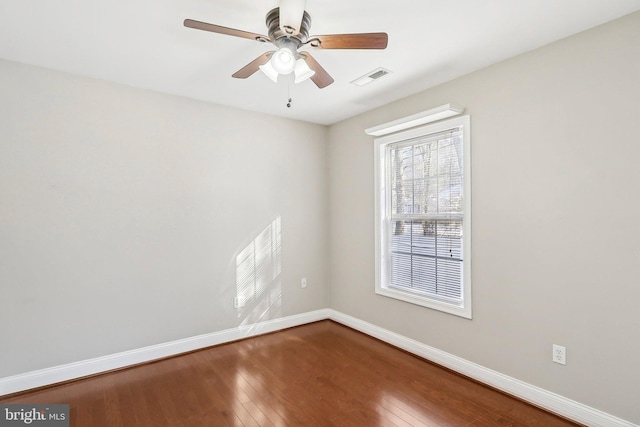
[(458, 310)]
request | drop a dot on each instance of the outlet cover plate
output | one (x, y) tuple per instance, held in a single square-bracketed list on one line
[(559, 354)]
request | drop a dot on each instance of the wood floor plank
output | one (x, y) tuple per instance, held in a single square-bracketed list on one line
[(322, 374)]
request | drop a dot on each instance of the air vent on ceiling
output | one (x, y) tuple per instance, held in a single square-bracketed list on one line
[(371, 76)]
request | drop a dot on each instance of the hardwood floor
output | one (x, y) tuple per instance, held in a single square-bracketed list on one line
[(321, 374)]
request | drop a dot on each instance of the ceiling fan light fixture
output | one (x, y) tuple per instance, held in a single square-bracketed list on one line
[(283, 61), (302, 71), (270, 71)]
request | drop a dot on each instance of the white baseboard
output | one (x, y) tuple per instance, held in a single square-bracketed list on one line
[(535, 395), (530, 393), (56, 374)]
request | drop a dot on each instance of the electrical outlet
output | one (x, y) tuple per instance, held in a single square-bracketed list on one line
[(303, 282), (559, 354)]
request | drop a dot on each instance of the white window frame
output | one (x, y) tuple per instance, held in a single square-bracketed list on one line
[(383, 212)]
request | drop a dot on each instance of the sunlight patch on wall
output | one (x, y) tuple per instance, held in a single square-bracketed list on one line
[(258, 268)]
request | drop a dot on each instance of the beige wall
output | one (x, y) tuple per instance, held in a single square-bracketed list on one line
[(123, 214), (555, 252)]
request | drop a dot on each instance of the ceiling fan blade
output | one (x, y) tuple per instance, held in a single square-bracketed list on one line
[(253, 66), (350, 41), (224, 30), (321, 78)]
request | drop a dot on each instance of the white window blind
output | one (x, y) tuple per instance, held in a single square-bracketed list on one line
[(422, 218), (426, 214)]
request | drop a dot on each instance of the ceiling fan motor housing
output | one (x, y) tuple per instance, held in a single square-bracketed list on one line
[(281, 38)]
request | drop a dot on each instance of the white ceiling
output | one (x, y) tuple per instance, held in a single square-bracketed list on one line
[(143, 43)]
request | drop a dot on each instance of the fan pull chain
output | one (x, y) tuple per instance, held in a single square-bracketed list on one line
[(289, 93)]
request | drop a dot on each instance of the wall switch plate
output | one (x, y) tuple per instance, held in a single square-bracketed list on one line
[(303, 282), (559, 354)]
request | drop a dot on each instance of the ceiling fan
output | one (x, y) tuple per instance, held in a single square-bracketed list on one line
[(289, 31)]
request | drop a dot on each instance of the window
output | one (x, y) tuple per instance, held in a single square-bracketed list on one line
[(423, 226)]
